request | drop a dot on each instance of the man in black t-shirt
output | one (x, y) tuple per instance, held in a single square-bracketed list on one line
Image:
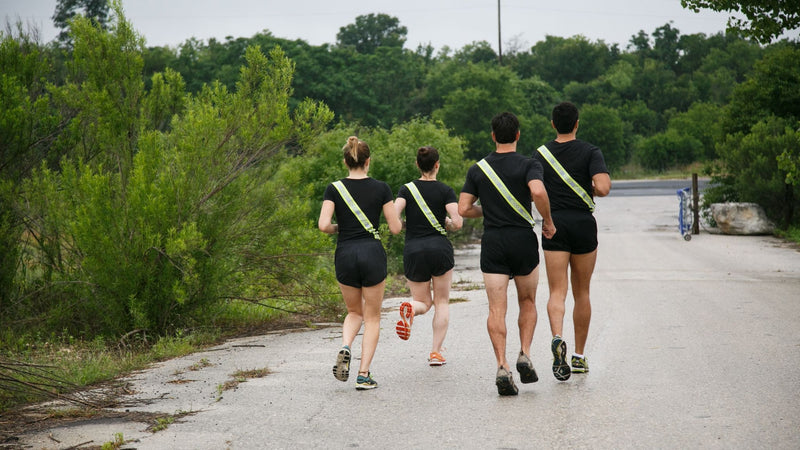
[(509, 246), (574, 247)]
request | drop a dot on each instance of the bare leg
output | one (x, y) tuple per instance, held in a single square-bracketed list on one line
[(526, 295), (557, 280), (355, 313), (421, 299), (496, 291), (441, 315), (582, 268), (371, 307)]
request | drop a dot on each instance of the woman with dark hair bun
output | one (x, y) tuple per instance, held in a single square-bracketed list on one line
[(428, 254), (360, 260)]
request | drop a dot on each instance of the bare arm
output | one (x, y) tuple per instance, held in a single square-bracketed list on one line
[(325, 217), (467, 207), (392, 218), (601, 184), (399, 206), (454, 222), (542, 202)]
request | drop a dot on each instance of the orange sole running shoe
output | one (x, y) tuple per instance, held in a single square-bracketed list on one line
[(436, 359), (404, 326)]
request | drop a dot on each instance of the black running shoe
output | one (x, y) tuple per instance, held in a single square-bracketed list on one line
[(561, 369), (527, 374), (505, 382)]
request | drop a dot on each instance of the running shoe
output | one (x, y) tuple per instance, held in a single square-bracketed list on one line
[(436, 359), (560, 367), (364, 382), (341, 370), (404, 326), (580, 365), (527, 374), (505, 382)]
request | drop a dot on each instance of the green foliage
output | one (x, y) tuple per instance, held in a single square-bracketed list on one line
[(603, 127), (66, 10), (152, 227), (371, 32), (702, 122), (751, 167), (667, 149), (772, 88), (765, 19)]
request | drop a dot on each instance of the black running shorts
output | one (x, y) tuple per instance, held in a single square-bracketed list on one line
[(360, 263), (509, 250), (427, 257), (576, 232)]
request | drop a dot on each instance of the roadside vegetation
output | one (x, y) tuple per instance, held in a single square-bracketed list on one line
[(156, 200)]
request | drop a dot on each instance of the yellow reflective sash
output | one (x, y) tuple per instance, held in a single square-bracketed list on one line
[(562, 172), (501, 187), (351, 203), (424, 208)]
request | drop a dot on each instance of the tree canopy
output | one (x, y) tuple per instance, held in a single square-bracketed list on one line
[(765, 20)]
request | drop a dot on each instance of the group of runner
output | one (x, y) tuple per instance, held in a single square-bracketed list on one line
[(561, 179)]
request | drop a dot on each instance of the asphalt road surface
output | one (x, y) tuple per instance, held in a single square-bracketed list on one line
[(692, 345)]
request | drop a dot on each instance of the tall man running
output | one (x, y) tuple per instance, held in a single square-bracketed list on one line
[(505, 182), (574, 172)]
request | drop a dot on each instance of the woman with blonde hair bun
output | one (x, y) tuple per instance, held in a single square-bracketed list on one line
[(360, 259)]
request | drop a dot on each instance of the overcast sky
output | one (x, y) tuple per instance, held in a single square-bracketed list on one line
[(452, 23)]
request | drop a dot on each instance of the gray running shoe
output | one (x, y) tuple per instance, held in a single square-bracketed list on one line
[(527, 374), (341, 370), (505, 382), (560, 367)]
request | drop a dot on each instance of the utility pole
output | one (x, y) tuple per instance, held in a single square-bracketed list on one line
[(499, 37)]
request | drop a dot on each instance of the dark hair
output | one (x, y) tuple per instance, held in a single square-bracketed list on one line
[(565, 116), (426, 158), (356, 152), (505, 127)]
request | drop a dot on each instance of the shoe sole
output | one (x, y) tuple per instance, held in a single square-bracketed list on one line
[(365, 387), (403, 327), (574, 370), (435, 363), (527, 374), (561, 369), (341, 370), (506, 387)]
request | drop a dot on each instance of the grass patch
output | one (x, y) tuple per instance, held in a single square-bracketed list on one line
[(634, 171), (457, 300), (791, 234)]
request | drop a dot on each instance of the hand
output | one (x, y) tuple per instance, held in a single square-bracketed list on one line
[(447, 223), (548, 228)]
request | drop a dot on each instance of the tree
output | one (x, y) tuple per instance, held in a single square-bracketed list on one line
[(602, 126), (372, 31), (765, 19), (96, 10)]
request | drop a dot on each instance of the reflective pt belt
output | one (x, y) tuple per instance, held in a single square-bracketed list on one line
[(424, 208), (562, 172), (501, 187), (351, 203)]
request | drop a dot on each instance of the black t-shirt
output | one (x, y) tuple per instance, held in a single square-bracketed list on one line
[(515, 171), (370, 195), (436, 195), (582, 161)]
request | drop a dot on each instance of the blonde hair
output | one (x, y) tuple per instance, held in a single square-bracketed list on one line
[(356, 152)]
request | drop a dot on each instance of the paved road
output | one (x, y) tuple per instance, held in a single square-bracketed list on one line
[(693, 345)]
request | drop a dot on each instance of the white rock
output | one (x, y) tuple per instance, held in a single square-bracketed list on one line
[(741, 218)]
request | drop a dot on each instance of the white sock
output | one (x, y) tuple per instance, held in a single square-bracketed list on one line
[(577, 355)]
